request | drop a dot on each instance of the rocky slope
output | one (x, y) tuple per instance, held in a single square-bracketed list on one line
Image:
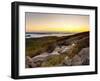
[(60, 51)]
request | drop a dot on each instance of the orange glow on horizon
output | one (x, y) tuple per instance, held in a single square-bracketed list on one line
[(56, 23)]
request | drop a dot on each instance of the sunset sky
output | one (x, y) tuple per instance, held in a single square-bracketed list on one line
[(46, 22)]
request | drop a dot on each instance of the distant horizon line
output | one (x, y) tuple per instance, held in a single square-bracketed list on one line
[(56, 32)]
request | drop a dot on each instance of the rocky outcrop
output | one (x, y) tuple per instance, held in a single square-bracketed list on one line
[(84, 55), (29, 62), (60, 50), (56, 51), (67, 61), (76, 60), (64, 49), (82, 58)]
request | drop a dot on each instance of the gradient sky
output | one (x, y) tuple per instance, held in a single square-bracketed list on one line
[(46, 22)]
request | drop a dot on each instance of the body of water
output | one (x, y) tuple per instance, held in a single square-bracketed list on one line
[(45, 35)]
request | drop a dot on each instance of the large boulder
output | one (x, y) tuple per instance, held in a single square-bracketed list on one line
[(84, 55), (39, 59), (76, 60), (29, 62), (64, 49), (60, 50), (56, 51), (67, 61), (43, 55)]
